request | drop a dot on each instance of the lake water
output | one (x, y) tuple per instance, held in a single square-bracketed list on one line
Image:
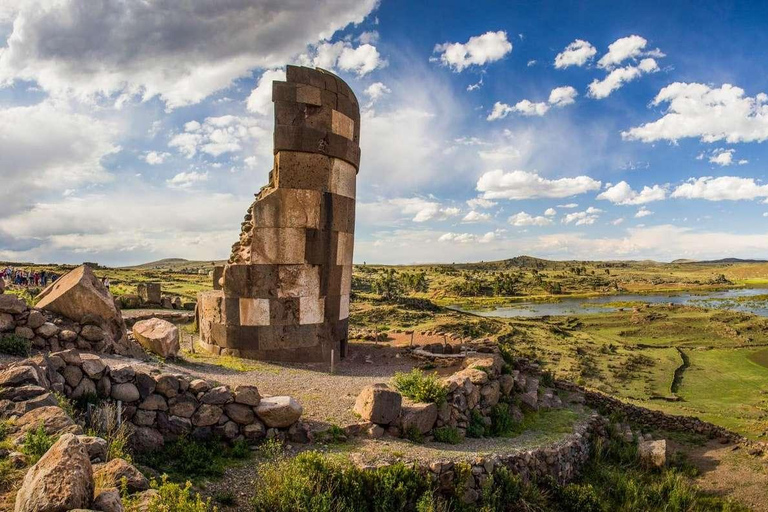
[(736, 300)]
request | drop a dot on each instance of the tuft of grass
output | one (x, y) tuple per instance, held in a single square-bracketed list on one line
[(187, 458), (476, 428), (14, 345), (420, 387), (502, 423), (271, 449), (171, 497), (104, 424), (36, 443), (412, 433), (447, 434)]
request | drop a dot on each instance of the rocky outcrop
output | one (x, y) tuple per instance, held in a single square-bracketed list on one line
[(81, 297), (61, 480), (158, 336)]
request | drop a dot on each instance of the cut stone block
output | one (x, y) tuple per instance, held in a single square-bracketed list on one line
[(343, 178), (288, 208), (345, 248), (342, 125), (298, 281), (278, 245), (343, 307), (303, 170), (254, 311), (311, 310)]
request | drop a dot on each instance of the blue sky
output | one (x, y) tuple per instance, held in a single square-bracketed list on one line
[(592, 130)]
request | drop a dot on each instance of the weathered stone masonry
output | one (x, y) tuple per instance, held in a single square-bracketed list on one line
[(284, 294)]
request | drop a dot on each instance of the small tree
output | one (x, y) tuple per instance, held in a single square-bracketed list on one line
[(388, 286)]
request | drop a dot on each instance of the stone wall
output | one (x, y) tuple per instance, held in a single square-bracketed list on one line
[(653, 419), (474, 390), (160, 406), (284, 294)]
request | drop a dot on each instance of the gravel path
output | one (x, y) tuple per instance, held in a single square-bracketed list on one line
[(326, 397)]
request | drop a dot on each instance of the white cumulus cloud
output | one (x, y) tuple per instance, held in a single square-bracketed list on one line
[(525, 219), (475, 216), (629, 47), (723, 188), (260, 99), (477, 51), (623, 194), (376, 91), (708, 113), (181, 54), (600, 89), (558, 97), (643, 212), (518, 184), (577, 53), (216, 136)]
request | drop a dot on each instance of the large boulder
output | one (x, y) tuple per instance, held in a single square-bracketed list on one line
[(653, 454), (80, 296), (379, 404), (158, 336), (418, 416), (279, 411), (61, 480), (12, 305), (52, 418)]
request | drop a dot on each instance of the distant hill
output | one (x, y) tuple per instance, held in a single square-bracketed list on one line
[(177, 263), (720, 261)]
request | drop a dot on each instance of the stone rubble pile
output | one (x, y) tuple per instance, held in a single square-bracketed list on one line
[(75, 312)]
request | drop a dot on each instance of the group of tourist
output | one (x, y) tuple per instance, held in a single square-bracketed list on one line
[(26, 278)]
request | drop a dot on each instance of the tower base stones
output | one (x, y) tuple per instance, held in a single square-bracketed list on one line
[(284, 294)]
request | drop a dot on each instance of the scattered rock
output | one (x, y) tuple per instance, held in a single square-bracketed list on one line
[(247, 395), (653, 453), (113, 472), (379, 404), (127, 392), (107, 500), (158, 336), (61, 480), (279, 411), (419, 416)]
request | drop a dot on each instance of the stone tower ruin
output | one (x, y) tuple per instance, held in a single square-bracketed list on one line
[(284, 294)]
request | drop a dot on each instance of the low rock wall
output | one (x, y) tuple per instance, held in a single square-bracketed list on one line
[(160, 406)]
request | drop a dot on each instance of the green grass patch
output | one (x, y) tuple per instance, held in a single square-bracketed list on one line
[(187, 458), (420, 387), (14, 345)]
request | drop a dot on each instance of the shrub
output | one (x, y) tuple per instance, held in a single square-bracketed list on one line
[(188, 458), (270, 449), (412, 433), (476, 426), (313, 482), (8, 474), (14, 345), (226, 498), (333, 435), (65, 403), (36, 443), (579, 498), (447, 434), (502, 423), (420, 387), (171, 498)]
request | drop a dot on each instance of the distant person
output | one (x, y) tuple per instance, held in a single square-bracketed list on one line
[(105, 282)]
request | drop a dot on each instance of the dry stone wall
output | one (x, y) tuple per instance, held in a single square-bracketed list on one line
[(284, 294), (160, 406)]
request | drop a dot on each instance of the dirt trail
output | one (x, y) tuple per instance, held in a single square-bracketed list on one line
[(728, 470)]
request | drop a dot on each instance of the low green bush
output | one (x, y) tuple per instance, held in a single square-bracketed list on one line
[(502, 423), (171, 497), (313, 482), (447, 434), (477, 427), (420, 387), (36, 443), (187, 458), (14, 345)]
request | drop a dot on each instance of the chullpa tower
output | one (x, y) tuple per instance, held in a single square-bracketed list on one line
[(284, 294)]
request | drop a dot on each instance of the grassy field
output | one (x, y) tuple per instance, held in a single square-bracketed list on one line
[(634, 353)]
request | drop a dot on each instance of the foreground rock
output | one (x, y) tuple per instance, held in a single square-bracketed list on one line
[(379, 404), (61, 480), (653, 454), (80, 296), (158, 336), (279, 411), (113, 472), (418, 416)]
